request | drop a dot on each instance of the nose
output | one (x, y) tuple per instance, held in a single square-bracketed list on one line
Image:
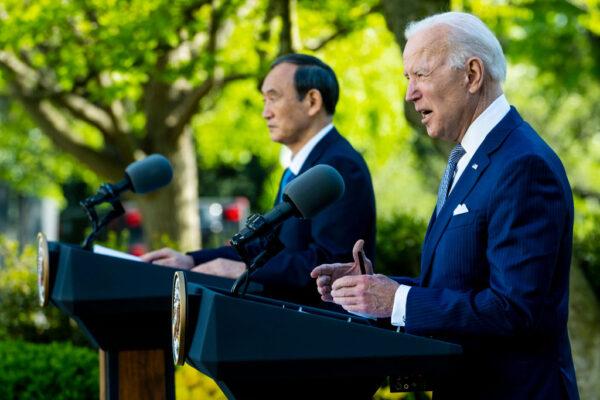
[(412, 94), (267, 113)]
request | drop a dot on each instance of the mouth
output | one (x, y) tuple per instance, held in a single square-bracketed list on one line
[(425, 114)]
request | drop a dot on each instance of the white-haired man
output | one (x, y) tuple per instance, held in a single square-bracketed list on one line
[(496, 255)]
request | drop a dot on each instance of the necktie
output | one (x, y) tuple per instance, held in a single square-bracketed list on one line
[(455, 155), (285, 179)]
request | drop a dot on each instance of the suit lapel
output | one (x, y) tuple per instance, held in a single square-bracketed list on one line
[(317, 152), (467, 181), (315, 155)]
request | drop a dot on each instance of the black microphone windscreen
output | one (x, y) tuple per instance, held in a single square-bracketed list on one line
[(315, 189), (151, 173)]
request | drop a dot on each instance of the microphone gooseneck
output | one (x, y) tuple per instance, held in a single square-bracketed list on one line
[(303, 197), (143, 176)]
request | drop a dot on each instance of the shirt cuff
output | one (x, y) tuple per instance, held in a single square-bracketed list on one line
[(399, 310)]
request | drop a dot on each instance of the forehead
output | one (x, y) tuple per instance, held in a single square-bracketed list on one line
[(280, 78), (426, 47)]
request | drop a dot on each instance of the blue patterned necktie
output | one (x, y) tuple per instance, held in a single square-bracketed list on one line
[(455, 155), (285, 179)]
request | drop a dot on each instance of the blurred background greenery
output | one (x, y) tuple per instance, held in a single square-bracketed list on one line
[(86, 87)]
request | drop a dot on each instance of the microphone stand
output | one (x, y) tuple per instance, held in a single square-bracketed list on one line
[(272, 248), (106, 193)]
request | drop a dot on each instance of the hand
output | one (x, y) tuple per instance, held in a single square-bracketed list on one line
[(327, 274), (221, 267), (366, 295), (169, 258)]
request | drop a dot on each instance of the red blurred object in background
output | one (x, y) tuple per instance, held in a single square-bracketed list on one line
[(133, 218), (138, 249), (233, 212)]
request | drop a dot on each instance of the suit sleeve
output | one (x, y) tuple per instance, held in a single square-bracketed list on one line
[(403, 280), (202, 256), (333, 232), (528, 219)]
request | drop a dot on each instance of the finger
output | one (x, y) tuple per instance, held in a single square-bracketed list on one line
[(346, 301), (323, 269), (358, 246), (166, 262), (346, 281), (327, 298), (344, 292), (155, 255), (324, 280), (324, 291)]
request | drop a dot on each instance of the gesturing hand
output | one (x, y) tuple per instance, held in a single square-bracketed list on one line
[(326, 274)]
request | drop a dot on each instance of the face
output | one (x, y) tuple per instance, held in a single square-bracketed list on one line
[(440, 93), (288, 119)]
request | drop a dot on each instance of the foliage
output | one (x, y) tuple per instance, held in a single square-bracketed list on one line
[(28, 160), (57, 371), (399, 240), (21, 317), (191, 384), (586, 252)]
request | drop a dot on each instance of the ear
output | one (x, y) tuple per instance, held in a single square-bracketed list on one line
[(475, 73), (314, 101)]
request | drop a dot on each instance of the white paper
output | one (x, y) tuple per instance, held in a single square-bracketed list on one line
[(114, 253)]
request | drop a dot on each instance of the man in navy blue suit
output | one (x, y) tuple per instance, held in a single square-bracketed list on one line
[(300, 95), (496, 256)]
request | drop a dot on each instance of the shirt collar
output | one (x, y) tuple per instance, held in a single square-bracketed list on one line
[(484, 123), (298, 160)]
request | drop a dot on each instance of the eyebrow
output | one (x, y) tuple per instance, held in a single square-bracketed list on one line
[(270, 92)]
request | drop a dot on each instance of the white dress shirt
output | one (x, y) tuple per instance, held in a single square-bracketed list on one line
[(475, 135), (295, 163)]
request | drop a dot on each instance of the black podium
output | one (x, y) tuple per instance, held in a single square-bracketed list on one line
[(124, 308), (259, 348)]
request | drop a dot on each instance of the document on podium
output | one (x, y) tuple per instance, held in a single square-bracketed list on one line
[(115, 253)]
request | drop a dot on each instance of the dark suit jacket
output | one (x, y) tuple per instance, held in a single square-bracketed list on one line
[(495, 279), (328, 237)]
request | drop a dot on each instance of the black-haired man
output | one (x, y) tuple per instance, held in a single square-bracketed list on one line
[(300, 94)]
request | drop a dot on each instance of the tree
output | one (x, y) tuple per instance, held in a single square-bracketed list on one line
[(109, 83)]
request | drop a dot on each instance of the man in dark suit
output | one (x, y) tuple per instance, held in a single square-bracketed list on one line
[(496, 255), (300, 95)]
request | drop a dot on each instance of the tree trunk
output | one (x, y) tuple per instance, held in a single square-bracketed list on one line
[(584, 331), (173, 210)]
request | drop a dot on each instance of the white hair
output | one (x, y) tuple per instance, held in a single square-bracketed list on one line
[(468, 37)]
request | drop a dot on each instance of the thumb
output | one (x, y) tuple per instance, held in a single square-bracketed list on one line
[(356, 250)]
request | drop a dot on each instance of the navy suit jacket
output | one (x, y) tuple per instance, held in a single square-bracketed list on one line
[(495, 279), (327, 237)]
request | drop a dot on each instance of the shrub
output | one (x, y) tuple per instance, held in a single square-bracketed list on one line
[(586, 251), (398, 249), (58, 371), (21, 317)]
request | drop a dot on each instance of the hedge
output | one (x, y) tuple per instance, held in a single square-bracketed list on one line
[(57, 371)]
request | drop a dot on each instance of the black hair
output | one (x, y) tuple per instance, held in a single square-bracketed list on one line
[(313, 73)]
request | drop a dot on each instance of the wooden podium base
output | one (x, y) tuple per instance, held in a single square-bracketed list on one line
[(133, 375)]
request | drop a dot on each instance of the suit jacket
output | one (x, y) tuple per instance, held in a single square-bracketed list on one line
[(495, 279), (328, 237)]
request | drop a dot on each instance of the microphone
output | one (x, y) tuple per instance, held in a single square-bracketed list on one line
[(303, 197), (142, 176)]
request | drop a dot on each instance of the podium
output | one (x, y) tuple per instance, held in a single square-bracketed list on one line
[(124, 308), (259, 348)]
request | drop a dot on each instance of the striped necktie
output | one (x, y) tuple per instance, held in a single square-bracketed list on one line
[(457, 152)]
